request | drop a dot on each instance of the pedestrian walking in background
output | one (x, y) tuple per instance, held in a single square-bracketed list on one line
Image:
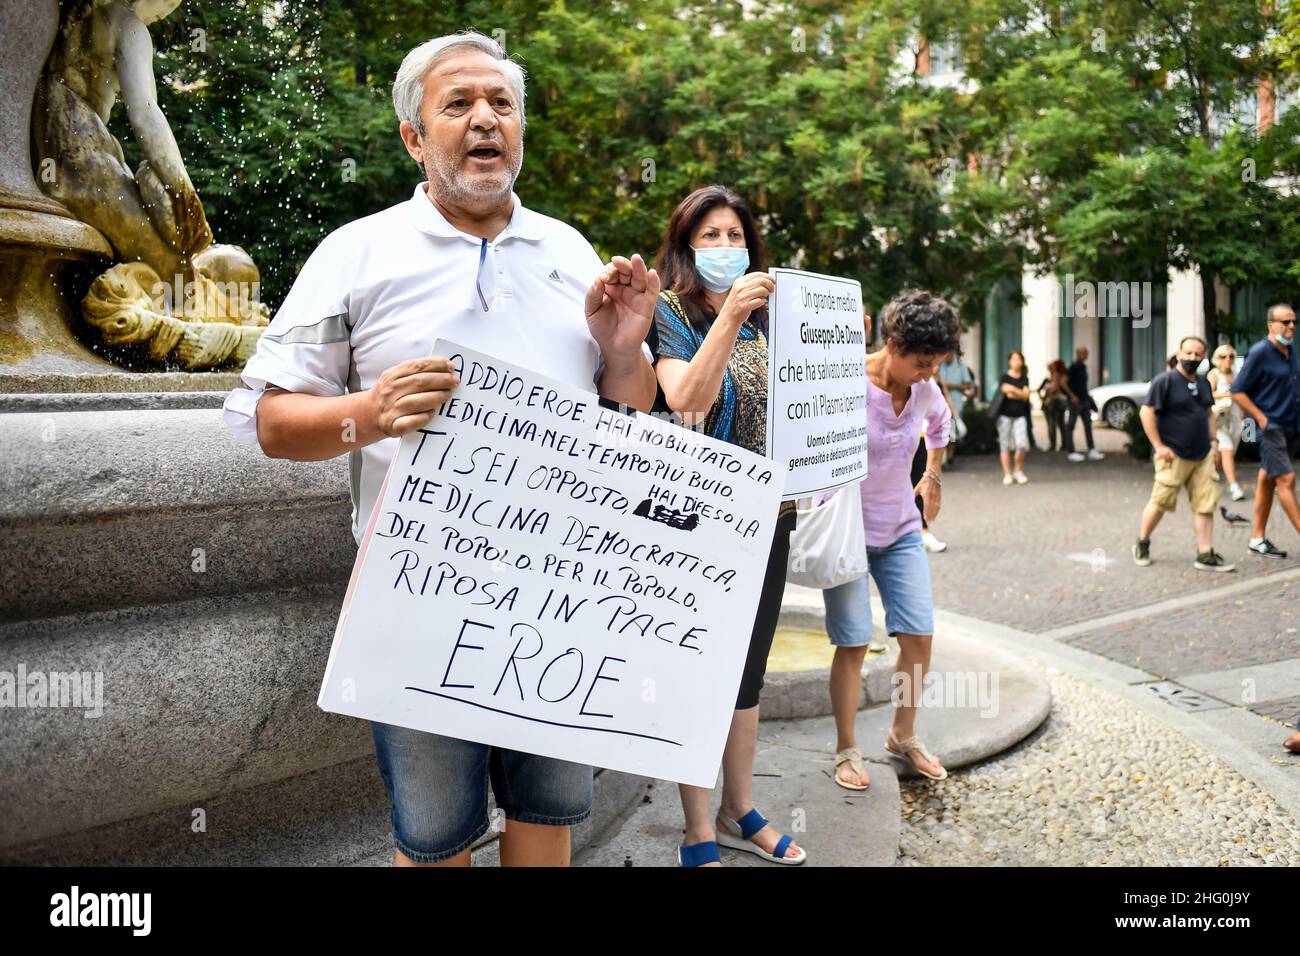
[(1227, 417), (1080, 407), (1268, 390), (1178, 417), (1053, 392), (1013, 419), (959, 385)]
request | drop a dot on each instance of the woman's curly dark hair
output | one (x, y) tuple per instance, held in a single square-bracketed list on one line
[(918, 322)]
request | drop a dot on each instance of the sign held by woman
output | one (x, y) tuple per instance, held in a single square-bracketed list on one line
[(817, 381)]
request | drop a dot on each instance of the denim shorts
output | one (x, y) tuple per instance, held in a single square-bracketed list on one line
[(902, 574), (439, 789)]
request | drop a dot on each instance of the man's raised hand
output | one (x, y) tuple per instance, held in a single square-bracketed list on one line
[(620, 306)]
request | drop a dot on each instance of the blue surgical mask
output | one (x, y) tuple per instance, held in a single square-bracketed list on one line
[(1285, 340), (721, 266)]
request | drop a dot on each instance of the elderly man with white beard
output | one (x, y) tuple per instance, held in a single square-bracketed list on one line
[(345, 366)]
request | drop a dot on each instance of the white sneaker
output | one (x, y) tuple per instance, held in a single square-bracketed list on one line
[(1074, 456), (1006, 479), (1094, 455), (1021, 478), (1235, 491), (932, 543)]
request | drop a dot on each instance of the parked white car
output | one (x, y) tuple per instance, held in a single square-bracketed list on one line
[(1116, 402)]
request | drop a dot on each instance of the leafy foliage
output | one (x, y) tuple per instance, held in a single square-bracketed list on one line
[(1069, 149)]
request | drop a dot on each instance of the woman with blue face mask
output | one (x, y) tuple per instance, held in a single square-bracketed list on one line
[(710, 343)]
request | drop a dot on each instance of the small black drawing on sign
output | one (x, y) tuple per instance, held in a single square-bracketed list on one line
[(669, 516)]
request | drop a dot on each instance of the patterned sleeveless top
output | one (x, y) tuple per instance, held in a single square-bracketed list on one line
[(739, 415)]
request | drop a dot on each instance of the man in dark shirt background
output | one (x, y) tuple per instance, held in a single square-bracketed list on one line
[(1268, 391), (1076, 380), (1178, 417)]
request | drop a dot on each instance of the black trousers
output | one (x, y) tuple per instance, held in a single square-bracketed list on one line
[(769, 609), (918, 471), (1077, 412), (1054, 412)]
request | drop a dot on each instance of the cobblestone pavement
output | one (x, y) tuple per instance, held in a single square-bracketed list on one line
[(1258, 626), (1284, 711), (1099, 784), (1057, 551), (1102, 782)]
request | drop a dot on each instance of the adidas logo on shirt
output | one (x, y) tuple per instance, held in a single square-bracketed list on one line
[(555, 276)]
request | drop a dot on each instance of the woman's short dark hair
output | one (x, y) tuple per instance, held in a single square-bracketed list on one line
[(675, 262), (919, 322), (1016, 352)]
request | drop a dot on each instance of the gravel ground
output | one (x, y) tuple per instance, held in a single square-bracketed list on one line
[(1099, 784)]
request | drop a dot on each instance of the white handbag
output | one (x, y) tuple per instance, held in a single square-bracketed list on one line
[(959, 429), (828, 546)]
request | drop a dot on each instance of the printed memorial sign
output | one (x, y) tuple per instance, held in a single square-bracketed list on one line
[(817, 382)]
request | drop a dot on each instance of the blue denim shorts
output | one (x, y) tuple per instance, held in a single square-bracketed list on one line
[(439, 789), (902, 574)]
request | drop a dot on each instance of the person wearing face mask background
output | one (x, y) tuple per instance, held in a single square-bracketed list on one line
[(1227, 416), (1178, 418), (1268, 391), (710, 343)]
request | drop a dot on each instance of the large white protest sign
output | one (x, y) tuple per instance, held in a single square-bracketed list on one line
[(817, 381), (547, 575)]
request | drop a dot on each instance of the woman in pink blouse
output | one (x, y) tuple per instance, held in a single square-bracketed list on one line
[(918, 329)]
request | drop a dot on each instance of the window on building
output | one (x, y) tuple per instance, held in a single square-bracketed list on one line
[(945, 56), (1288, 97), (1243, 113)]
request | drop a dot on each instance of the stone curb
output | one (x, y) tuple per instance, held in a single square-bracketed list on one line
[(961, 736), (335, 816), (791, 695)]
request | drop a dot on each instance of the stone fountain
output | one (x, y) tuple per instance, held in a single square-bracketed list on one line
[(167, 596)]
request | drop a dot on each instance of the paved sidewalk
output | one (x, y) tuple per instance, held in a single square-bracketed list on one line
[(1052, 558), (1058, 550)]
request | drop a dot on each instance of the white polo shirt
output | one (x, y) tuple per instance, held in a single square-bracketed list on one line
[(382, 289)]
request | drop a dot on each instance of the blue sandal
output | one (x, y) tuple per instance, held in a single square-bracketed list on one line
[(737, 834), (697, 854)]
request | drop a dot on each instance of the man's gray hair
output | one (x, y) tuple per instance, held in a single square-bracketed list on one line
[(408, 88), (1278, 307)]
